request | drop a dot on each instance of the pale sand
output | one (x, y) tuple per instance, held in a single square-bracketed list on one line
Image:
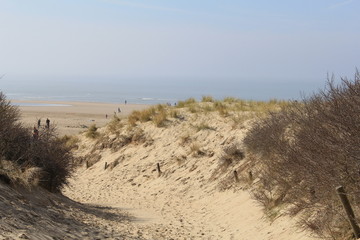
[(193, 198), (75, 116)]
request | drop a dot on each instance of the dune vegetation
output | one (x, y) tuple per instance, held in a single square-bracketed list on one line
[(303, 152), (29, 160)]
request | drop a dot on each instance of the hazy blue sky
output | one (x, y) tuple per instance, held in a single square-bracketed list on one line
[(189, 39)]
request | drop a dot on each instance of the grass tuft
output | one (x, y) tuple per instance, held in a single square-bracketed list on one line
[(207, 99), (92, 132), (203, 126)]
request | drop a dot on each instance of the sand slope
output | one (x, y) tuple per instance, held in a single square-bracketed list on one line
[(193, 198), (36, 214)]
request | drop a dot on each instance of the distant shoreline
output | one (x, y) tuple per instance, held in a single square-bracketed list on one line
[(65, 103), (72, 117)]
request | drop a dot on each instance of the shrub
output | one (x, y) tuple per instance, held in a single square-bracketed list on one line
[(55, 159), (222, 109), (92, 132), (180, 104), (174, 114), (137, 136), (308, 149), (193, 108), (157, 114), (71, 141), (115, 125), (147, 114), (188, 102), (160, 119), (208, 108), (47, 152), (241, 105), (133, 118), (207, 99)]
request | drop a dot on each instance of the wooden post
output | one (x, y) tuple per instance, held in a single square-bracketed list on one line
[(349, 211), (158, 168), (236, 176), (250, 176), (106, 165)]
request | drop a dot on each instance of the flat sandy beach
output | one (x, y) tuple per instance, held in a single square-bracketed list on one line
[(72, 117)]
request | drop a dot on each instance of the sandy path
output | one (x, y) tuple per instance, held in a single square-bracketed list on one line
[(185, 202), (165, 215)]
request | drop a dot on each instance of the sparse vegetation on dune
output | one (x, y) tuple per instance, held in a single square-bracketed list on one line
[(185, 151), (203, 126), (230, 106), (302, 153), (92, 132), (129, 131), (115, 125), (71, 141), (296, 152), (207, 99), (157, 114)]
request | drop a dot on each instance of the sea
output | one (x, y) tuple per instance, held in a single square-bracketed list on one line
[(144, 91)]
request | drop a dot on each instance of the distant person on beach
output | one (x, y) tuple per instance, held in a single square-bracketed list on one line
[(119, 110), (106, 116), (47, 123), (39, 123), (35, 133), (125, 102)]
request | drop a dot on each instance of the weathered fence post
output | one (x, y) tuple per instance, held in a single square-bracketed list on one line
[(250, 176), (106, 165), (236, 176), (158, 168), (349, 211)]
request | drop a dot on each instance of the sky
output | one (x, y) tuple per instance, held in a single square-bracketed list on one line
[(262, 40)]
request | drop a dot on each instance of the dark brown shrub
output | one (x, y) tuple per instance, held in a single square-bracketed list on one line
[(308, 149), (46, 151)]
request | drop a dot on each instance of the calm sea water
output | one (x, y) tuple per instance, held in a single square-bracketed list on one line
[(151, 92)]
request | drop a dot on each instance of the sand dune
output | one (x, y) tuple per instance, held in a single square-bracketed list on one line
[(194, 196)]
